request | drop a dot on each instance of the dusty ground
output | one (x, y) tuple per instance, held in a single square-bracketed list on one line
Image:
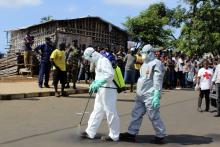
[(52, 122)]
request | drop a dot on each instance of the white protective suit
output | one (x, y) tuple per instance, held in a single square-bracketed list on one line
[(151, 78), (105, 100)]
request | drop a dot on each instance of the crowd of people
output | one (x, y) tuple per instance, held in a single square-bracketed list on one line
[(180, 70)]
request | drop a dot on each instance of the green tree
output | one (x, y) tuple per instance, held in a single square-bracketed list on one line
[(155, 25), (200, 32), (198, 22), (46, 19)]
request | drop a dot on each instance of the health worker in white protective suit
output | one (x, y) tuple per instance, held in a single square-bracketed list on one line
[(105, 100), (149, 88)]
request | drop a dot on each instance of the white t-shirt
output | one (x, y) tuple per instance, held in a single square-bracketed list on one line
[(174, 59), (180, 62), (205, 78)]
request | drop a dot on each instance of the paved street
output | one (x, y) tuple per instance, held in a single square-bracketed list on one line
[(52, 122)]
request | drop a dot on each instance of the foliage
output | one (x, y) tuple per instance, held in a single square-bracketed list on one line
[(156, 25), (201, 31), (46, 19), (199, 24)]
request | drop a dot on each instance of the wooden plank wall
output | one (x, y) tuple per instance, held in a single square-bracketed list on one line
[(87, 31), (8, 65), (95, 28)]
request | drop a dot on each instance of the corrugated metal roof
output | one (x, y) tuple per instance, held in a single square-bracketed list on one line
[(93, 17)]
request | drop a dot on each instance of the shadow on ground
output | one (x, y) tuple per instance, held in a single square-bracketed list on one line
[(182, 139), (79, 97), (188, 89), (28, 99), (75, 139), (22, 99)]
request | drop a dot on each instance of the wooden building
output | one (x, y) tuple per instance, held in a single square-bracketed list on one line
[(85, 31)]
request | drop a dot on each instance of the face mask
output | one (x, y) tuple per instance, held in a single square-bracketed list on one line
[(88, 58), (92, 57), (144, 56)]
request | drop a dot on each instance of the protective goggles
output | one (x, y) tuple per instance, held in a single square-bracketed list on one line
[(145, 52)]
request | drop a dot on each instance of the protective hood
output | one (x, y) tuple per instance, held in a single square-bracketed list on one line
[(147, 53), (91, 55)]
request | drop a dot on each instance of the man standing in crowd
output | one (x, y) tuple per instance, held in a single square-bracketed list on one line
[(68, 50), (137, 65), (216, 80), (84, 70), (28, 42), (190, 75), (58, 61), (120, 60), (204, 82), (106, 97), (44, 51), (171, 73), (92, 71), (180, 65), (129, 75), (72, 64), (149, 87)]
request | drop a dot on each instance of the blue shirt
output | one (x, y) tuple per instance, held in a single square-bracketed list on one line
[(45, 51)]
